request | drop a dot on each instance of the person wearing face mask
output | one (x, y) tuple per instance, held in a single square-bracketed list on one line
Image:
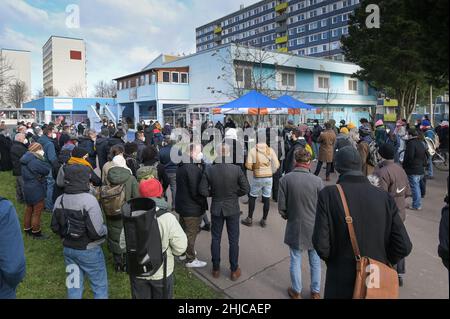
[(140, 142), (18, 149), (189, 203), (50, 156), (34, 169), (297, 141)]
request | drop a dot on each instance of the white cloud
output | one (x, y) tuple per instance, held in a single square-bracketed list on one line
[(121, 36)]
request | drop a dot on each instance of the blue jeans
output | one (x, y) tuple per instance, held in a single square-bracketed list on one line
[(90, 262), (414, 183), (296, 270), (316, 147), (233, 223), (49, 197), (430, 167)]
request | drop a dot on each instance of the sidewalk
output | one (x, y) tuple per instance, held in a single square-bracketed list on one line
[(264, 258)]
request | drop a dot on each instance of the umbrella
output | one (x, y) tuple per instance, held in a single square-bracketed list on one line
[(294, 103)]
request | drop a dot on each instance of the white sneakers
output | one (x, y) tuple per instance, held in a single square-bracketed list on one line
[(196, 264), (182, 257)]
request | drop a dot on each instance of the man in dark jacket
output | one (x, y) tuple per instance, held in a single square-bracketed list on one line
[(101, 146), (379, 229), (170, 167), (87, 142), (12, 256), (140, 142), (297, 141), (5, 148), (18, 149), (190, 205), (317, 129), (65, 136), (225, 183), (46, 140), (413, 163)]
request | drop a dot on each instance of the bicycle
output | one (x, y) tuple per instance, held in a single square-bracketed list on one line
[(440, 160)]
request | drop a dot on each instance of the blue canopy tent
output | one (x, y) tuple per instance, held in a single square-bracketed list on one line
[(294, 103), (253, 103)]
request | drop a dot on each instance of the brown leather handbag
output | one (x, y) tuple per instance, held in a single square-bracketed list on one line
[(374, 279)]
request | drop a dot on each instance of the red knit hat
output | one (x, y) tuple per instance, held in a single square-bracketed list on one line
[(150, 188)]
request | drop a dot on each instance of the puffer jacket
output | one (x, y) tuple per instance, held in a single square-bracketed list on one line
[(263, 161), (34, 172)]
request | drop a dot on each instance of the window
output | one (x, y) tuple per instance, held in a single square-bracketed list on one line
[(166, 77), (324, 36), (324, 82), (312, 13), (352, 85), (335, 33), (120, 85), (324, 10), (313, 26), (244, 77), (312, 50), (142, 80), (184, 78), (313, 38), (345, 30), (336, 19), (301, 41), (287, 80), (323, 23), (301, 29)]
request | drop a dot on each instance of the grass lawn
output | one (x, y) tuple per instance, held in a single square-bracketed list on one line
[(45, 277)]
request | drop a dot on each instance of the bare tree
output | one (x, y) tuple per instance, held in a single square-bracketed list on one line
[(105, 89), (76, 90), (5, 78), (50, 91), (244, 69), (17, 93)]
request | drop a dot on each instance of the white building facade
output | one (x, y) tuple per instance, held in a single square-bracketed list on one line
[(18, 64), (64, 67)]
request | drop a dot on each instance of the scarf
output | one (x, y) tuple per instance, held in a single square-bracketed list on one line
[(79, 161), (303, 165)]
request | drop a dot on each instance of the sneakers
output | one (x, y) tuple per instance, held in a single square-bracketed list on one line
[(413, 208), (206, 227), (182, 258), (263, 223), (196, 264), (247, 222), (28, 232)]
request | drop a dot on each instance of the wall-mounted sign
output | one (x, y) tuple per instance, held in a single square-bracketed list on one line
[(63, 104)]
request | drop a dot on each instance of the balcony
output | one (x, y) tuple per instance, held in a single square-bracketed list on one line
[(281, 7), (281, 40), (218, 30), (281, 18), (217, 38), (281, 29), (282, 50)]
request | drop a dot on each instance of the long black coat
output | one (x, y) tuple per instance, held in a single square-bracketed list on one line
[(379, 230), (101, 146), (5, 158), (225, 183), (17, 151), (188, 201)]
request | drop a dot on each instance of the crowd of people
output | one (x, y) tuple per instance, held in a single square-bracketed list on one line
[(85, 179)]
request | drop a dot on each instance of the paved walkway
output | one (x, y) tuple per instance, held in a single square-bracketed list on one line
[(264, 258)]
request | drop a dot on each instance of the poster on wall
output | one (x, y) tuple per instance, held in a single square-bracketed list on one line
[(63, 104)]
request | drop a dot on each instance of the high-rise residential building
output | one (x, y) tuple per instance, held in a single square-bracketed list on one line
[(302, 27), (64, 67), (17, 66)]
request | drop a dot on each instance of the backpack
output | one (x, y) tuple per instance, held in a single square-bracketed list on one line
[(143, 238), (430, 145), (112, 198), (374, 156)]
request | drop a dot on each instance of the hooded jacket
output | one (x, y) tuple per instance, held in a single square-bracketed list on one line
[(392, 178), (263, 161), (34, 172), (120, 176)]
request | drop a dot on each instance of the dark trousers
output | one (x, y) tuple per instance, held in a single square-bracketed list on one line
[(19, 189), (319, 167), (217, 223), (276, 183), (151, 289), (190, 225), (401, 267)]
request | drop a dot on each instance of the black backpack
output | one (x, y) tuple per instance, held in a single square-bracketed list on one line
[(143, 239)]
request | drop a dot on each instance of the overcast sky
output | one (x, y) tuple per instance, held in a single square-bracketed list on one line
[(122, 36)]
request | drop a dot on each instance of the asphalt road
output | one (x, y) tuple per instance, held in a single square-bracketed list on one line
[(264, 258)]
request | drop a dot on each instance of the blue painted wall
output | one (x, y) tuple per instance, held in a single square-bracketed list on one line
[(79, 104)]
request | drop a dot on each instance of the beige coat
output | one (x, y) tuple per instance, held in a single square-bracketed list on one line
[(262, 160), (326, 151)]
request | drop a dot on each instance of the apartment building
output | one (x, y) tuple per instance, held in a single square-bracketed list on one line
[(64, 67), (302, 27)]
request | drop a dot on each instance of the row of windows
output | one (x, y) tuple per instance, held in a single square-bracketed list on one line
[(319, 36), (287, 80), (303, 28), (293, 8), (167, 77)]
